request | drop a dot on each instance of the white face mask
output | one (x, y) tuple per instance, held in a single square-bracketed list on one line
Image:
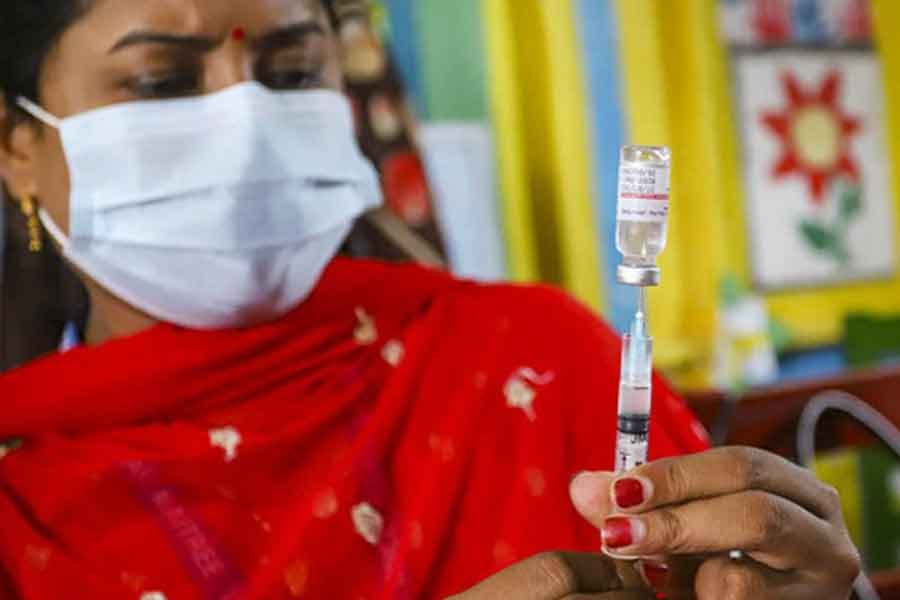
[(215, 211)]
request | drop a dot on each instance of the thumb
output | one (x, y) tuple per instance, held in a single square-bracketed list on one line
[(548, 576), (590, 493)]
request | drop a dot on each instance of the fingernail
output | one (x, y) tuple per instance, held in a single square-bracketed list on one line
[(618, 532), (655, 574), (628, 492)]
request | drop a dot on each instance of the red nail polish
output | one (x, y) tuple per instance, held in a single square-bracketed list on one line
[(656, 575), (628, 492), (238, 34), (617, 533)]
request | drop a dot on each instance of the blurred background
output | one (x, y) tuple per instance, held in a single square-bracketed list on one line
[(496, 125)]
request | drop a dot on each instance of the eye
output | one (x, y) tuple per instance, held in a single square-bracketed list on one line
[(291, 79), (166, 85)]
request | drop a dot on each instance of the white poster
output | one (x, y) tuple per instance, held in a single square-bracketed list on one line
[(460, 162), (820, 209)]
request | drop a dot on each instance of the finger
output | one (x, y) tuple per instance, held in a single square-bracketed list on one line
[(590, 493), (628, 574), (591, 572), (682, 573), (721, 577), (548, 576), (620, 595), (655, 574), (773, 530), (721, 472)]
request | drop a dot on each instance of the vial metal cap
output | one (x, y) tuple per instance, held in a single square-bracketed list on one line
[(638, 276)]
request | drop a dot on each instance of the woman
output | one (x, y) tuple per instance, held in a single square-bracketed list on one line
[(251, 419)]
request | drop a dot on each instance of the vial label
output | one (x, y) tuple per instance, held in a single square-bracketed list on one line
[(643, 193)]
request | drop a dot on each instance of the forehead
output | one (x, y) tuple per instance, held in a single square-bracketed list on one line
[(109, 19)]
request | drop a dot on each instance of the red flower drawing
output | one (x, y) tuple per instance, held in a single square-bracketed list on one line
[(815, 132)]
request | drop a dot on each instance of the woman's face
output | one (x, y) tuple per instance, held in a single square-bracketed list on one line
[(123, 51)]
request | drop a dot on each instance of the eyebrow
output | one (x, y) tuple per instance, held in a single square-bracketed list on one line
[(135, 38), (280, 36), (289, 34)]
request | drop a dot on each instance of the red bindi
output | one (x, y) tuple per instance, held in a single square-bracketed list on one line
[(238, 34)]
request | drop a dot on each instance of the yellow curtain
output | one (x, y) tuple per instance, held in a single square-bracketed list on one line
[(512, 167), (671, 63), (540, 118)]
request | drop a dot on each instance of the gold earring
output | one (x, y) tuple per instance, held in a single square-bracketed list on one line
[(35, 236)]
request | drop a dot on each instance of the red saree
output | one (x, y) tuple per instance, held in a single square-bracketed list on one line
[(400, 435)]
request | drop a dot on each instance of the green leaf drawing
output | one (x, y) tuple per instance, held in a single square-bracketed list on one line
[(825, 240), (839, 251), (851, 202), (815, 234)]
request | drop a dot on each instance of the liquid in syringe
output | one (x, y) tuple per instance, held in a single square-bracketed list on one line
[(634, 393)]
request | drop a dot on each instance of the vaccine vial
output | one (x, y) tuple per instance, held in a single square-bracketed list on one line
[(642, 213)]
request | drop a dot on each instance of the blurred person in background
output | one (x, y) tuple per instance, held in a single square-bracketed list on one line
[(248, 416)]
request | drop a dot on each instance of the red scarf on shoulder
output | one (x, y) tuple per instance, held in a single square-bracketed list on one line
[(399, 435)]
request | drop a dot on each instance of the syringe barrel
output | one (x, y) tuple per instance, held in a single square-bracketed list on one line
[(637, 360), (634, 399)]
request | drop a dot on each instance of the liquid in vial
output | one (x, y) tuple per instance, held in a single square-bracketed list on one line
[(643, 204)]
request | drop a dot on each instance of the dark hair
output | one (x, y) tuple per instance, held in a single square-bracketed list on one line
[(28, 31)]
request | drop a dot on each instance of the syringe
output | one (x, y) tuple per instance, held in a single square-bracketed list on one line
[(641, 219), (634, 391)]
